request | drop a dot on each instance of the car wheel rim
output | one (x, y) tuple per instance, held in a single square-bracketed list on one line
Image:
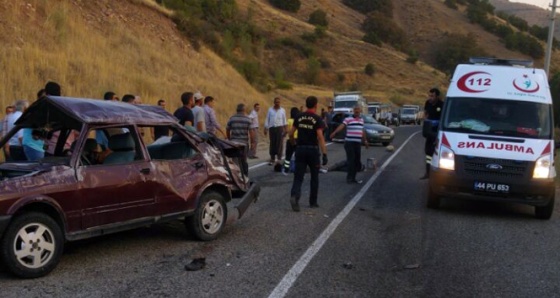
[(34, 245), (212, 217)]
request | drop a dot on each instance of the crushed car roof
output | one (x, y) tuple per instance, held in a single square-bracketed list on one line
[(72, 112)]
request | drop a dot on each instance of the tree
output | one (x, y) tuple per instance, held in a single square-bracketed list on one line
[(288, 5), (318, 18), (366, 6), (454, 49), (369, 69)]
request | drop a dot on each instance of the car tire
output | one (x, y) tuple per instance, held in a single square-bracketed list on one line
[(385, 144), (20, 257), (433, 200), (545, 212), (210, 217)]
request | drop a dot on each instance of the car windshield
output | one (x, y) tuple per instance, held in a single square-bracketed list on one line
[(369, 120), (345, 104), (408, 112), (498, 117)]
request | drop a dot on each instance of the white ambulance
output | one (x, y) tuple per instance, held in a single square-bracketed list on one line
[(496, 138)]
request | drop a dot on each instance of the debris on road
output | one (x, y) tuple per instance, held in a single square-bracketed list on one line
[(196, 264), (348, 265), (412, 266)]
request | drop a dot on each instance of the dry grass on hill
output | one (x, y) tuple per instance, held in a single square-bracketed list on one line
[(90, 47)]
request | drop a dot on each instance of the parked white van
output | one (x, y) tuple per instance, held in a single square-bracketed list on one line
[(495, 139)]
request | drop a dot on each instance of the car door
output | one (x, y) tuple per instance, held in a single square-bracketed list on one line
[(181, 170), (116, 192)]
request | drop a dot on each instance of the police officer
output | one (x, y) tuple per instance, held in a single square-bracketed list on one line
[(310, 128), (432, 114)]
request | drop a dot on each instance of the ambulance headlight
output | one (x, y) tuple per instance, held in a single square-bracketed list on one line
[(446, 159), (542, 167)]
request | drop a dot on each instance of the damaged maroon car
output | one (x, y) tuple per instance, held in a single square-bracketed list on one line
[(106, 174)]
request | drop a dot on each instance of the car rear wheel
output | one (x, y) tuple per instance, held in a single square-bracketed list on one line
[(209, 218), (545, 212), (32, 245), (434, 200)]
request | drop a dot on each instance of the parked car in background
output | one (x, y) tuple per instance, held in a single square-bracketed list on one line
[(375, 132), (113, 178), (409, 116)]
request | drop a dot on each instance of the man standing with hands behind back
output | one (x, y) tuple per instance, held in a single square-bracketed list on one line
[(309, 127), (277, 125)]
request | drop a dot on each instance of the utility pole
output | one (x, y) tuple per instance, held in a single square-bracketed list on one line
[(550, 38)]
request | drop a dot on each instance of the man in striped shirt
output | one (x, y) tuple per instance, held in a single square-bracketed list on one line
[(355, 135), (238, 129)]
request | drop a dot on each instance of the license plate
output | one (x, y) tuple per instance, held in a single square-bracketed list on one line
[(491, 187), (385, 137)]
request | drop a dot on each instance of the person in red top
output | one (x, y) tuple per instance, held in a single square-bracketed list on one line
[(309, 127)]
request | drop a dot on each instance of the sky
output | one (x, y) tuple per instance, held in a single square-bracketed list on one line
[(542, 3)]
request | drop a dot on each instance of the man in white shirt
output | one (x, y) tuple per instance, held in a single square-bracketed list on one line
[(254, 116), (13, 150), (9, 110), (277, 125)]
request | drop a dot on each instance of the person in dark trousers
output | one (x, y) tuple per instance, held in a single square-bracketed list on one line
[(276, 125), (290, 148), (432, 114), (238, 129), (355, 136), (309, 127)]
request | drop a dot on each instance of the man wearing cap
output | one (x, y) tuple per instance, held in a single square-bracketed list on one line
[(254, 116), (198, 112)]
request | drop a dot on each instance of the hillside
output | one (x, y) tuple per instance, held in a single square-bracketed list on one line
[(128, 46), (90, 47)]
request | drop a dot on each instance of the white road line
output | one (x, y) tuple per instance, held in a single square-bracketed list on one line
[(289, 279), (264, 163)]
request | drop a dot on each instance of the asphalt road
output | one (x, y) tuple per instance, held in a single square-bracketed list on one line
[(372, 240)]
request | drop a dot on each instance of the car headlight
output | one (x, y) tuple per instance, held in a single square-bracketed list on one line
[(542, 167), (372, 131), (391, 132), (447, 159)]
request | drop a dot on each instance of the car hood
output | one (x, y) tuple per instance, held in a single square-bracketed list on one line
[(377, 127)]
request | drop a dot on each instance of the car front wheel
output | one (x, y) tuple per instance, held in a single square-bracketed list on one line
[(32, 245), (209, 218)]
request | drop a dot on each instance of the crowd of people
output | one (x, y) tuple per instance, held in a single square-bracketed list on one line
[(305, 131)]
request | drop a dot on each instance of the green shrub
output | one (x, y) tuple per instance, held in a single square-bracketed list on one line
[(318, 18), (372, 38), (451, 4), (377, 24), (369, 69), (340, 77), (455, 49), (366, 6), (288, 5), (412, 57), (313, 69), (309, 37), (324, 63)]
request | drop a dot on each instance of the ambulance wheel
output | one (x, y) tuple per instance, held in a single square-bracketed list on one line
[(545, 212), (433, 201)]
